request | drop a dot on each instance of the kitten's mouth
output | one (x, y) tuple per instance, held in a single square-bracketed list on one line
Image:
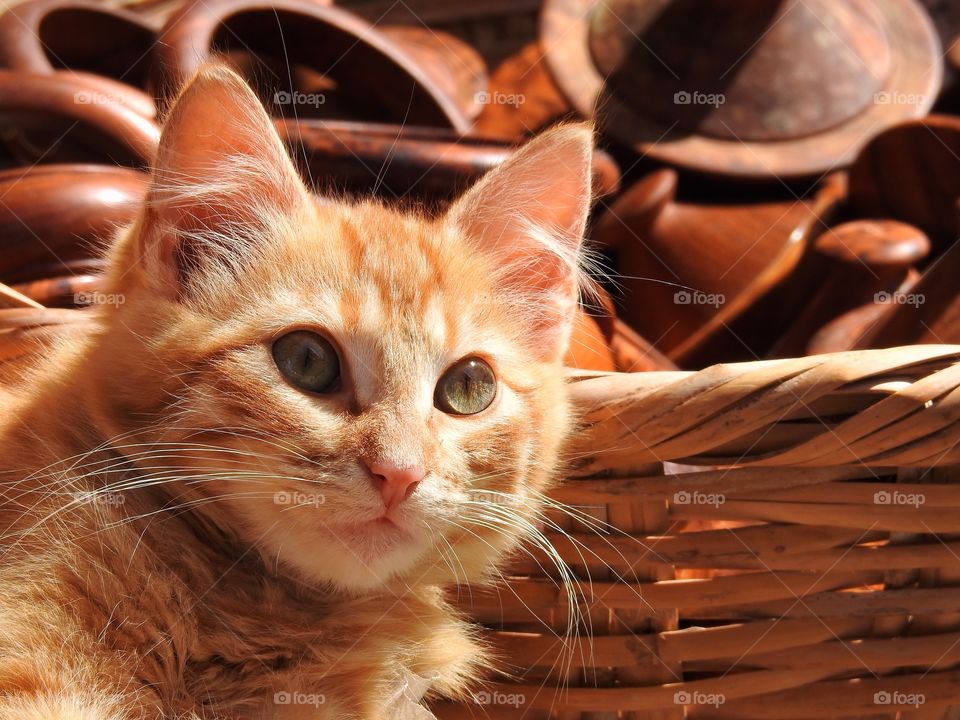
[(388, 526), (381, 531)]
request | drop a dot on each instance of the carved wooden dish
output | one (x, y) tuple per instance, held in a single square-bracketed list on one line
[(367, 74), (66, 116), (750, 89), (54, 219), (41, 36)]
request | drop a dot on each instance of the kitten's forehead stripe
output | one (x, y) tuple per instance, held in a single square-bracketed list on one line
[(349, 309), (396, 282), (351, 247)]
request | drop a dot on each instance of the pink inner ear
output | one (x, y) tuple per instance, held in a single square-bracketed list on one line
[(219, 140), (221, 173), (530, 215)]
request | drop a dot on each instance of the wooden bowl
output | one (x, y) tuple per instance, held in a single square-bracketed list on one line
[(761, 89), (414, 163), (333, 55), (55, 219), (40, 36), (456, 69), (72, 117)]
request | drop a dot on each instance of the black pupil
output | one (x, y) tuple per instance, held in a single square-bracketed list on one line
[(308, 361), (471, 379), (310, 356)]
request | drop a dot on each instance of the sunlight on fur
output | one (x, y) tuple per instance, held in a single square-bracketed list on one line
[(198, 517)]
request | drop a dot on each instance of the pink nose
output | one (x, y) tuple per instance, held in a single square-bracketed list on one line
[(395, 483)]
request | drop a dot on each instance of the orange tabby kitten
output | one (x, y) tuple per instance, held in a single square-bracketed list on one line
[(240, 495)]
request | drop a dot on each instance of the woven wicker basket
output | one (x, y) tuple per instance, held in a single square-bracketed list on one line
[(802, 562), (804, 569)]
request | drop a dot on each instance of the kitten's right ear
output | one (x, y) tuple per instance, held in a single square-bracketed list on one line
[(222, 183), (529, 214)]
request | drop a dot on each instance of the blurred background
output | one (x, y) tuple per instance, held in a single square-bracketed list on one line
[(773, 178)]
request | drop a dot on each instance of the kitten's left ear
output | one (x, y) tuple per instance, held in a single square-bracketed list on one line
[(222, 183), (531, 213)]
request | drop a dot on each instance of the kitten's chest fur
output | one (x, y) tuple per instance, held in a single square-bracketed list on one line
[(210, 630)]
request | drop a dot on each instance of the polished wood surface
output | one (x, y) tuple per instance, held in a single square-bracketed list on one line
[(410, 114), (524, 97), (911, 172), (372, 72), (65, 291), (55, 219), (65, 116), (767, 89), (856, 263), (40, 36), (456, 69), (689, 271)]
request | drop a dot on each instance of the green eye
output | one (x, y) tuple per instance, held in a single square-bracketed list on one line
[(308, 360), (466, 388)]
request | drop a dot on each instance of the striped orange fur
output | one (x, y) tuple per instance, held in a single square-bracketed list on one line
[(187, 534)]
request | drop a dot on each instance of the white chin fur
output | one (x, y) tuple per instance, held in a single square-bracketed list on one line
[(354, 564), (346, 571)]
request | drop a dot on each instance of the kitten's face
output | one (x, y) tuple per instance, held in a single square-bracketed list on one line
[(396, 307), (363, 397)]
